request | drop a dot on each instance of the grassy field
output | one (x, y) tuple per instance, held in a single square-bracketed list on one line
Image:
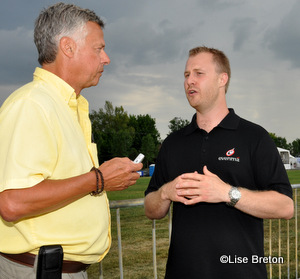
[(136, 232)]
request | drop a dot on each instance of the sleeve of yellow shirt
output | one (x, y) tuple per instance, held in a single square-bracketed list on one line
[(27, 133)]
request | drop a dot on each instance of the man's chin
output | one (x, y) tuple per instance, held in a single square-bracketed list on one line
[(191, 102), (94, 82)]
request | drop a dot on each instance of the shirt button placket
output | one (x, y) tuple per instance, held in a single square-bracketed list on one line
[(204, 150)]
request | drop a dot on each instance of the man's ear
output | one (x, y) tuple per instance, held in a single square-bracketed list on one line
[(67, 46), (223, 79)]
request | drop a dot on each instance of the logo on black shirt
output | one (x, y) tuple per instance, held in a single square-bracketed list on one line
[(229, 157), (230, 152)]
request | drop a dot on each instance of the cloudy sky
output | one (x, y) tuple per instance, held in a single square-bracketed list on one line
[(148, 42)]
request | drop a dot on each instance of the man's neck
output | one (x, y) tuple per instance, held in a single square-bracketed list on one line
[(209, 120), (63, 73)]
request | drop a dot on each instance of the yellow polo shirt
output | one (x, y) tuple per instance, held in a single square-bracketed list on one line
[(45, 133)]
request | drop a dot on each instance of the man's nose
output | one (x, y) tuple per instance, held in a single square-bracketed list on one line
[(190, 80), (105, 58)]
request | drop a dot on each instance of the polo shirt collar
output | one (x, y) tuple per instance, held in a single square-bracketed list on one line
[(66, 91), (230, 122)]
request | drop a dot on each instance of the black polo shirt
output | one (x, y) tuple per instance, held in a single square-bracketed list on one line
[(242, 154)]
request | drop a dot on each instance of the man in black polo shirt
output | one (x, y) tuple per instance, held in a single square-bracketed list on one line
[(224, 175)]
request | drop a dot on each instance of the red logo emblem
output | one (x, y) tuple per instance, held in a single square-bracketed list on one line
[(230, 152)]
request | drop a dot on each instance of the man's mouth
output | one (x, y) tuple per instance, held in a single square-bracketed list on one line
[(192, 92)]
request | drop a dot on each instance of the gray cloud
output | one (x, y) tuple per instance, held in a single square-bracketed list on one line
[(242, 29), (17, 56), (148, 42), (284, 38), (15, 13), (213, 5), (143, 43)]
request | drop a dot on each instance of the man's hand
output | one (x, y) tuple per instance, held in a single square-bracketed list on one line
[(188, 188), (169, 191), (206, 187), (119, 173)]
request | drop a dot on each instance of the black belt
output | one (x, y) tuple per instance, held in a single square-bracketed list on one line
[(28, 260)]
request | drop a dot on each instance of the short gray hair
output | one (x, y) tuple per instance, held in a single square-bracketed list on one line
[(57, 21)]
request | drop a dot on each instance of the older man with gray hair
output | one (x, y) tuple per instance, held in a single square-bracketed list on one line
[(52, 189)]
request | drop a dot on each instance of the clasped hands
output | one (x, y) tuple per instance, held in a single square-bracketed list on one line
[(192, 188)]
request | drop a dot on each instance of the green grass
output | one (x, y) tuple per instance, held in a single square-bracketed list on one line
[(294, 176), (136, 232), (134, 192), (283, 232)]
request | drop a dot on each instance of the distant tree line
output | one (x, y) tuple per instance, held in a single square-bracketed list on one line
[(119, 134), (176, 124), (293, 147)]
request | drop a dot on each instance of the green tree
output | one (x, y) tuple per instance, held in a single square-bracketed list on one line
[(111, 132), (121, 143), (149, 149), (279, 141), (295, 148), (119, 134), (145, 125), (176, 124)]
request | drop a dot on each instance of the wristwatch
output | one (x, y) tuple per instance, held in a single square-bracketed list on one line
[(234, 195)]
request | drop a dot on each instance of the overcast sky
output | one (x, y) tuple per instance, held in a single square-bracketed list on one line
[(148, 43)]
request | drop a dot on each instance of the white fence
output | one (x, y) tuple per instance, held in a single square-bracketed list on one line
[(282, 245)]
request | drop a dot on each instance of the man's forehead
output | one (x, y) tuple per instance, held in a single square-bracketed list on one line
[(199, 61)]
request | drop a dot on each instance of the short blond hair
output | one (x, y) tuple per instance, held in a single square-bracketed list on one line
[(219, 58)]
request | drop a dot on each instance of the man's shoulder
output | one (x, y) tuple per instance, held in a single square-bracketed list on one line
[(32, 98), (35, 91), (235, 121), (250, 127), (180, 133)]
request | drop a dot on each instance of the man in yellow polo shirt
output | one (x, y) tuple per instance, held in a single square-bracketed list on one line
[(48, 193)]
